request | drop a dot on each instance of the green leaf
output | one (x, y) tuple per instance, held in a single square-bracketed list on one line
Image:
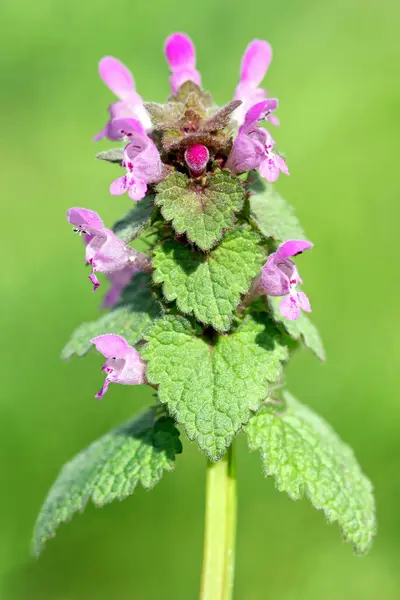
[(114, 155), (110, 469), (209, 285), (306, 456), (130, 226), (202, 212), (212, 388), (136, 310), (273, 216), (302, 328)]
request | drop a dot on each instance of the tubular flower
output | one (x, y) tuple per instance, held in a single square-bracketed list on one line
[(142, 161), (253, 147), (119, 281), (280, 277), (255, 62), (181, 57), (105, 252), (120, 81), (123, 363)]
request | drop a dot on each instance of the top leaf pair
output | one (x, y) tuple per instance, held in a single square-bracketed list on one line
[(186, 158), (181, 147)]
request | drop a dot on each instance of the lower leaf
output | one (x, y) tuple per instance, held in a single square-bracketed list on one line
[(306, 456), (110, 469)]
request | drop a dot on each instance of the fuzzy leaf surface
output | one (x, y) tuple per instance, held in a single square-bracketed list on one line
[(212, 389), (306, 457), (301, 329), (136, 310), (273, 216), (114, 155), (190, 93), (130, 226), (110, 469), (209, 286), (202, 212)]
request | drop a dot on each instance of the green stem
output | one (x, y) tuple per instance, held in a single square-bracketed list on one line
[(220, 528)]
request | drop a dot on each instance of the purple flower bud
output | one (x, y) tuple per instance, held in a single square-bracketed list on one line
[(197, 157)]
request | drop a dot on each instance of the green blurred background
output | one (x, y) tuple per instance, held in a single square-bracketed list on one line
[(334, 73)]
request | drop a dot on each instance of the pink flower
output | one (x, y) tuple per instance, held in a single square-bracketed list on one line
[(123, 364), (105, 252), (273, 163), (120, 81), (181, 57), (142, 161), (119, 281), (253, 146), (279, 277), (255, 62)]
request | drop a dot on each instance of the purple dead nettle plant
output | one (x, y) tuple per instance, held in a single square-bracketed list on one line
[(207, 313)]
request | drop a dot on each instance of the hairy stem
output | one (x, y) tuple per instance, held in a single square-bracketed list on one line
[(220, 529)]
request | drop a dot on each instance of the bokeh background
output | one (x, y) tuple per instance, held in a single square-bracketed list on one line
[(335, 71)]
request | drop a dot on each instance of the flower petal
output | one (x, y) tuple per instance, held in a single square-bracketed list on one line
[(134, 370), (293, 247), (269, 170), (104, 389), (273, 120), (137, 190), (145, 159), (83, 217), (94, 280), (119, 186), (110, 345), (281, 164), (290, 308), (258, 112), (110, 253), (247, 153), (274, 281), (126, 127), (304, 301), (116, 76), (255, 62), (119, 281), (180, 51)]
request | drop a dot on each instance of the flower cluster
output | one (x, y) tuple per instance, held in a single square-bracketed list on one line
[(188, 135)]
